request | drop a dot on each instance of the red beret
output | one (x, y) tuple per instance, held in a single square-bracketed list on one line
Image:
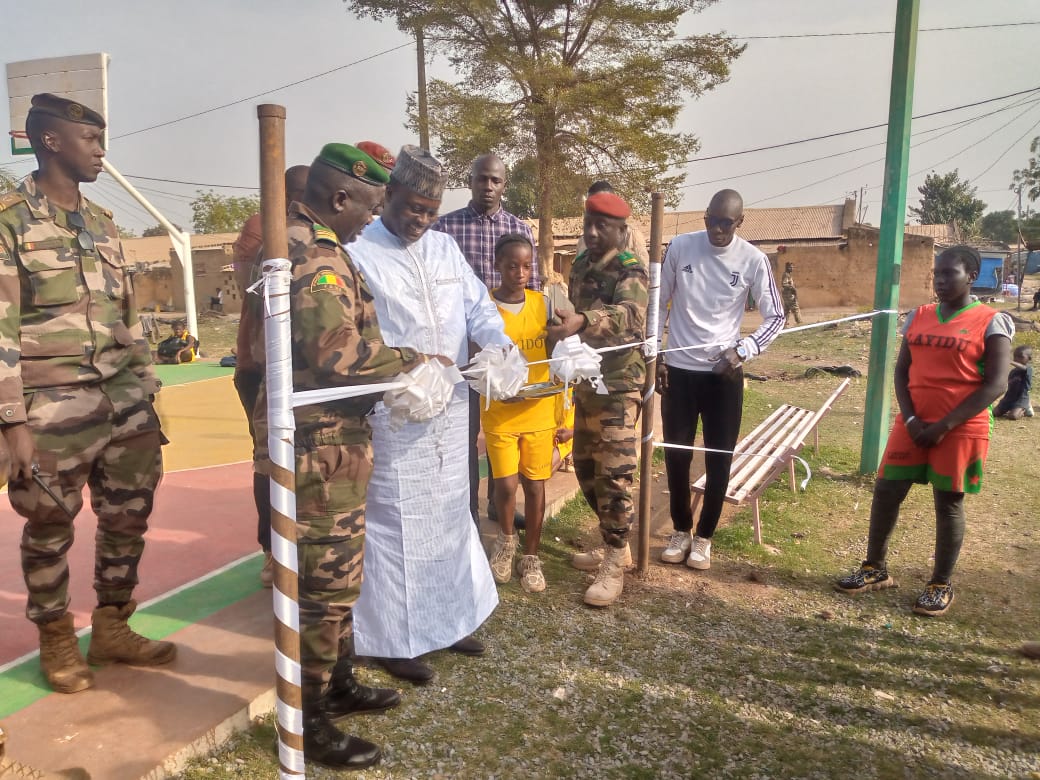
[(378, 153), (609, 204)]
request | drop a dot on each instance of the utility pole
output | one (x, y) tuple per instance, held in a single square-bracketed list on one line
[(1020, 269), (424, 110), (890, 243)]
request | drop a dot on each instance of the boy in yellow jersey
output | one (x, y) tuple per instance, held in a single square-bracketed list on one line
[(520, 434)]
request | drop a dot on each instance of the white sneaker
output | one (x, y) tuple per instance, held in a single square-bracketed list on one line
[(678, 547), (502, 557), (700, 554)]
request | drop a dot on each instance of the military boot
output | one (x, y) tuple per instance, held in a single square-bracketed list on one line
[(610, 579), (346, 696), (591, 560), (325, 744), (60, 659), (114, 641), (12, 770)]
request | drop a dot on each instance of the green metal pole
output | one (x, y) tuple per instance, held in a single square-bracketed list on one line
[(890, 243)]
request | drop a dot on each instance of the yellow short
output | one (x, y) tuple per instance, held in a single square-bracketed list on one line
[(529, 454)]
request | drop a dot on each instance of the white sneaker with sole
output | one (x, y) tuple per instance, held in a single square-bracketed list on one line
[(678, 547), (700, 554)]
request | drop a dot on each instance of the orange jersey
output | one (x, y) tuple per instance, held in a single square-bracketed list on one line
[(527, 331), (947, 363)]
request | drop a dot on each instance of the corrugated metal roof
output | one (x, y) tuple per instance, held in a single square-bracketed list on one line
[(943, 233)]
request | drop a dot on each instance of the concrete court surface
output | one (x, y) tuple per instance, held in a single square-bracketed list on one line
[(199, 588)]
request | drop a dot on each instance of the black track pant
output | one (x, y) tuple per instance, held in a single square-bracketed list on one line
[(718, 401)]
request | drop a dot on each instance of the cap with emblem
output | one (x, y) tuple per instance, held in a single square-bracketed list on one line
[(419, 171), (63, 108), (378, 153), (354, 162), (608, 204)]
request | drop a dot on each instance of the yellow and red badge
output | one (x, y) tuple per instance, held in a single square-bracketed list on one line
[(329, 281)]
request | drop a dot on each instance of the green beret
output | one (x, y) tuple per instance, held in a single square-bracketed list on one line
[(354, 162), (63, 108)]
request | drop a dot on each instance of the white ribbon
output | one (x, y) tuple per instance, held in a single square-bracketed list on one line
[(497, 372), (574, 361), (424, 393)]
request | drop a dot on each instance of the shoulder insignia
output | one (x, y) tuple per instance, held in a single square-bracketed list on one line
[(628, 260), (328, 281), (322, 233), (9, 199)]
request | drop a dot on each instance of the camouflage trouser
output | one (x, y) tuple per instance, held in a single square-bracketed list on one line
[(105, 436), (606, 447), (791, 307), (331, 483)]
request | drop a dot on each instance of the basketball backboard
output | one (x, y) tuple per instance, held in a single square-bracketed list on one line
[(80, 77)]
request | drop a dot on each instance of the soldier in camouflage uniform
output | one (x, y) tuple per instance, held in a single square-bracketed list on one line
[(335, 341), (789, 294), (76, 385), (608, 287)]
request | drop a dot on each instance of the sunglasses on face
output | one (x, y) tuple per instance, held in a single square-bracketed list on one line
[(85, 240), (720, 222)]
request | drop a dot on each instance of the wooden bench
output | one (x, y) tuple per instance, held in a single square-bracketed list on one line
[(766, 451)]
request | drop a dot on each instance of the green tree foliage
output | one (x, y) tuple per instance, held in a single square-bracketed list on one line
[(1029, 177), (213, 213), (999, 226), (159, 230), (588, 90), (945, 198), (522, 192), (125, 232)]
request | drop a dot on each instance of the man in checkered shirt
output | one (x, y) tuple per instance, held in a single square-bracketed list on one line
[(476, 227)]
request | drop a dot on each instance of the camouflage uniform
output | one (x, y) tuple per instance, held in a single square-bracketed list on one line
[(335, 341), (74, 365), (789, 294), (612, 294)]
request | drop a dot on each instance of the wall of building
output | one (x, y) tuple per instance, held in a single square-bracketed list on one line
[(843, 275), (153, 289), (209, 264)]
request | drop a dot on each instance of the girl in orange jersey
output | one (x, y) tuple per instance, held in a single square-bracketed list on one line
[(952, 365)]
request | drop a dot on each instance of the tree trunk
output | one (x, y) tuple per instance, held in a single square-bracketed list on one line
[(546, 150)]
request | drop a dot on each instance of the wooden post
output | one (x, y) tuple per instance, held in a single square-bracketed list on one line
[(281, 429), (646, 450)]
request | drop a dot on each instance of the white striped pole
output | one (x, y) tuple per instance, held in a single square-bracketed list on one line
[(646, 450), (280, 436)]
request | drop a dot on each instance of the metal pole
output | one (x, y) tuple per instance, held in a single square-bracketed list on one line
[(890, 243), (280, 437), (424, 110), (181, 245), (646, 449)]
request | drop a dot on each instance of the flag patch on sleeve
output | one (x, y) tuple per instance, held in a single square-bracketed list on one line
[(328, 281)]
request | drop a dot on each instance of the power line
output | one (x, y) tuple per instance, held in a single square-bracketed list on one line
[(260, 94), (190, 183), (1002, 154), (877, 32), (956, 125)]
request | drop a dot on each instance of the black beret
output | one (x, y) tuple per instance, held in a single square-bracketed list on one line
[(63, 108)]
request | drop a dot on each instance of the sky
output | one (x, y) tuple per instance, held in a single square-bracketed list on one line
[(170, 60)]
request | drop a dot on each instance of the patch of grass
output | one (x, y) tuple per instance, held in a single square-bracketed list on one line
[(756, 668)]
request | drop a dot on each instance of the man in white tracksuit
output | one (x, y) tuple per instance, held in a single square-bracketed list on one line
[(705, 281)]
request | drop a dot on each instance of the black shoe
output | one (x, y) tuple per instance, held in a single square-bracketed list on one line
[(349, 697), (866, 578), (936, 599), (469, 646), (411, 669), (325, 744)]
